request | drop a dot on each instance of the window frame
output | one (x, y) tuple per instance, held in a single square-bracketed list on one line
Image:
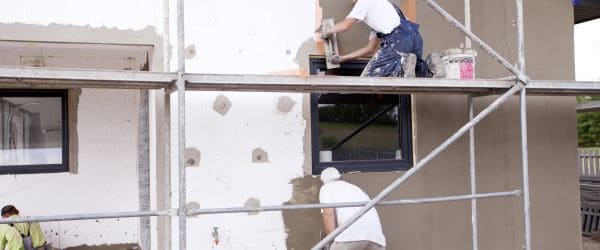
[(43, 168), (404, 124)]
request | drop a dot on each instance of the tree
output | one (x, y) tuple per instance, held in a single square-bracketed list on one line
[(588, 124)]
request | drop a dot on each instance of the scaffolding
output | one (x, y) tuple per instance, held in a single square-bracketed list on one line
[(180, 82)]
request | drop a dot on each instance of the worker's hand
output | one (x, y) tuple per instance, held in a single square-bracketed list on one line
[(336, 59), (325, 34)]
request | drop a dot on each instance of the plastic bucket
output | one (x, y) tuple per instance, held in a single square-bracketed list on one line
[(459, 63)]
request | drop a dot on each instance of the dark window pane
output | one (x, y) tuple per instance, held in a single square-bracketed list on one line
[(31, 131), (359, 132)]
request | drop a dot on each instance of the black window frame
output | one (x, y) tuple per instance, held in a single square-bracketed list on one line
[(404, 123), (42, 168)]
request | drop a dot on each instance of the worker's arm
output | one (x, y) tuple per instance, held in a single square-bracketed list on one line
[(367, 49), (339, 27), (2, 238), (329, 219)]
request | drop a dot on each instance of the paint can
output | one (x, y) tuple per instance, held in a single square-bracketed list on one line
[(459, 63), (325, 156)]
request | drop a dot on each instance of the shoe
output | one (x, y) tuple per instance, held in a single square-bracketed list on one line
[(434, 62), (409, 61)]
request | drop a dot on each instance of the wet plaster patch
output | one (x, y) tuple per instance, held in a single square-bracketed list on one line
[(259, 156), (303, 226), (190, 51), (192, 157), (285, 104), (222, 105), (252, 203), (192, 205)]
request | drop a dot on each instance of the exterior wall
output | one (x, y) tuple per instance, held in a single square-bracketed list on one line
[(106, 178), (552, 143), (227, 129), (243, 37), (104, 122)]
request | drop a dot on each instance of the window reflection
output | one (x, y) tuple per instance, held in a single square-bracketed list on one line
[(31, 130)]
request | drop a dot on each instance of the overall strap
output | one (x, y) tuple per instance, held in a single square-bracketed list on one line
[(400, 14), (22, 235), (399, 11)]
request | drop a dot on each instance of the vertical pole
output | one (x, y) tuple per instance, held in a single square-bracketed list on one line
[(181, 166), (524, 149), (467, 23), (181, 212), (520, 37), (143, 168), (474, 229), (165, 222), (525, 158)]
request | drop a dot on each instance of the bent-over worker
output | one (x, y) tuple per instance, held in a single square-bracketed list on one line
[(31, 233), (10, 238), (366, 232), (400, 44)]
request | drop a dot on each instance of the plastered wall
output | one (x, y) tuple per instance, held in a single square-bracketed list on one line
[(250, 144), (103, 123), (105, 180), (251, 147), (552, 143)]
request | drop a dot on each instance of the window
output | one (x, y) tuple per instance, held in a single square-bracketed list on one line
[(359, 132), (33, 131)]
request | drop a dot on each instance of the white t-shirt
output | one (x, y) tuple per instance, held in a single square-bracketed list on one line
[(367, 227), (379, 15)]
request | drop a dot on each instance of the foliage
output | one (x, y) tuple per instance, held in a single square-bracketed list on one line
[(588, 124), (582, 99), (588, 129)]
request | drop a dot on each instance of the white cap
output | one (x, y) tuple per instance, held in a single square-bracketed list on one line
[(330, 174)]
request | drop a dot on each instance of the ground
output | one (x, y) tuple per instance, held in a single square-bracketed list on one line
[(590, 244)]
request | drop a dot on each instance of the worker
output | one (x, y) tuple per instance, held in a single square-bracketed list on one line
[(10, 238), (366, 232), (31, 233), (398, 39)]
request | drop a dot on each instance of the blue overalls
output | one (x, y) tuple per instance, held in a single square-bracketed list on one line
[(402, 40)]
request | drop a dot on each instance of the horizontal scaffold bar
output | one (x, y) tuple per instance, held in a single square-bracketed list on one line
[(54, 78), (192, 212), (593, 106)]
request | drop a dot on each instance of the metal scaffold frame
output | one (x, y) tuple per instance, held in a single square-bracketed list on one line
[(181, 81)]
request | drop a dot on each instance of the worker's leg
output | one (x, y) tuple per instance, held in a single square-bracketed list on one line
[(403, 40), (350, 245), (386, 62)]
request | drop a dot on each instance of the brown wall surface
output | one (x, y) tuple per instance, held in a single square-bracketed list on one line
[(552, 139)]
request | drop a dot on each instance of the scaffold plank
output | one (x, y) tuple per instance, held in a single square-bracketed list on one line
[(54, 78), (341, 84)]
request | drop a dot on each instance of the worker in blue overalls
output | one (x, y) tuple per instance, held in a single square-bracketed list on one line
[(400, 44)]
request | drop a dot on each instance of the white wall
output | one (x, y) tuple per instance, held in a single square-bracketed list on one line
[(587, 49), (105, 180), (243, 37), (227, 176), (229, 37), (121, 14)]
